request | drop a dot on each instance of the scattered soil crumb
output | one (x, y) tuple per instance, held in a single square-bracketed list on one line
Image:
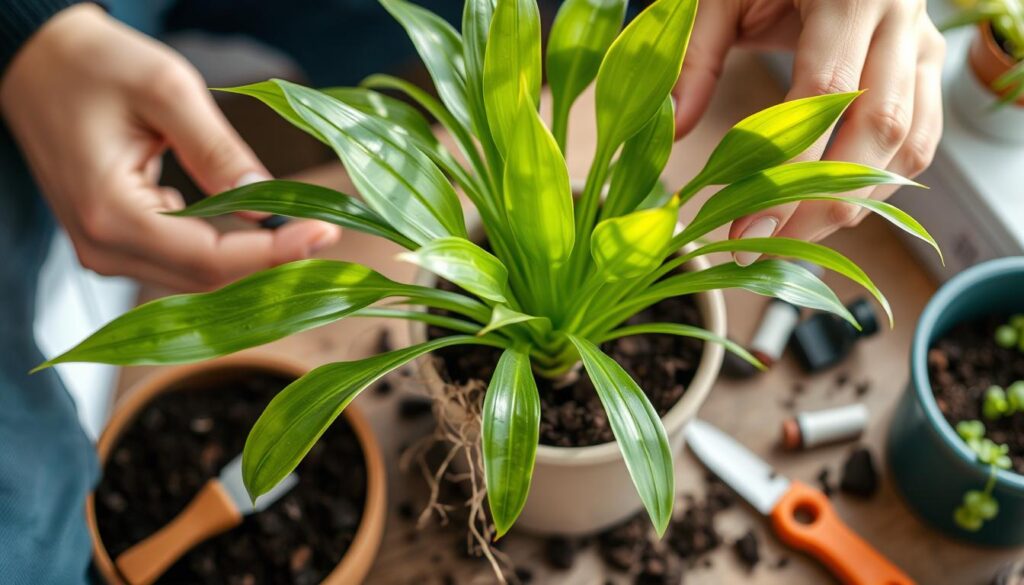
[(859, 477), (748, 550)]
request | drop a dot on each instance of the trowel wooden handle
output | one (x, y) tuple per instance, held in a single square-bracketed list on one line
[(210, 513), (805, 520)]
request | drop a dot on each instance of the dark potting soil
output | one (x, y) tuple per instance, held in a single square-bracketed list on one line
[(963, 364), (1003, 43), (572, 416), (182, 439)]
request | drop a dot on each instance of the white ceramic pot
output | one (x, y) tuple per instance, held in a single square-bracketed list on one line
[(583, 490)]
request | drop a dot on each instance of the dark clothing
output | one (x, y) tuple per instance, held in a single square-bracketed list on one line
[(20, 18), (47, 463)]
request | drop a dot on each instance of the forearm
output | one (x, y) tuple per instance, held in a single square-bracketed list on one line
[(19, 19)]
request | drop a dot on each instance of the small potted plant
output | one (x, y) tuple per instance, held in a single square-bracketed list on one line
[(179, 428), (956, 442), (989, 91), (553, 280)]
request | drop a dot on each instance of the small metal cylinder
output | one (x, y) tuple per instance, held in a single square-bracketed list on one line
[(780, 318), (810, 429)]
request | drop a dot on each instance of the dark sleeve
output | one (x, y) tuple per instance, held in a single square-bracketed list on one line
[(19, 19)]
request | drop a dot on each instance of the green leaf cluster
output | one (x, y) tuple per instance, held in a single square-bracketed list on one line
[(1007, 20), (559, 275)]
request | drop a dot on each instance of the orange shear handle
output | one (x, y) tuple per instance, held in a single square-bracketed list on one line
[(210, 513), (805, 520)]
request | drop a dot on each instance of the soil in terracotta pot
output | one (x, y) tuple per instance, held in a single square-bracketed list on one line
[(1003, 43), (963, 364), (182, 439), (572, 416)]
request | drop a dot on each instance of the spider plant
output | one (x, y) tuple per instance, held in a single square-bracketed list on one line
[(1007, 20), (564, 274)]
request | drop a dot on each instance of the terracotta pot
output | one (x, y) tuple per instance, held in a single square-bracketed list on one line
[(583, 490), (354, 567), (988, 60), (972, 95)]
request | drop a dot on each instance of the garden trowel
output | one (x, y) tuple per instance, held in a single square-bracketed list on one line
[(802, 516), (218, 507)]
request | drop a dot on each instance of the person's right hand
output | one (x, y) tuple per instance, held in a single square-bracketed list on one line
[(93, 106)]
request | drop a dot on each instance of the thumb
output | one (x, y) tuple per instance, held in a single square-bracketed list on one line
[(713, 35), (209, 149)]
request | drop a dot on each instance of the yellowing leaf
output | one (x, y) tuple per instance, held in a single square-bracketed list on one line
[(772, 137), (502, 316), (580, 36), (632, 245), (641, 163), (512, 65), (641, 68), (465, 264), (538, 198)]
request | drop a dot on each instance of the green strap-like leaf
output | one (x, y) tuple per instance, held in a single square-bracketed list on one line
[(465, 264), (683, 331), (258, 309), (981, 11), (296, 199), (815, 253), (404, 116), (1012, 83), (450, 323), (509, 435), (397, 180), (771, 137), (580, 36), (270, 93), (640, 69), (638, 431), (538, 198), (440, 48), (502, 316), (801, 181), (634, 244), (476, 25), (433, 107), (775, 278), (512, 65), (407, 120), (641, 163), (299, 414)]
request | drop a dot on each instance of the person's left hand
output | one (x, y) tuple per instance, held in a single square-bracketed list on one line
[(889, 47)]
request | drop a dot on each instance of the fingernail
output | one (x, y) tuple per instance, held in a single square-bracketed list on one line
[(250, 178), (761, 228), (326, 238)]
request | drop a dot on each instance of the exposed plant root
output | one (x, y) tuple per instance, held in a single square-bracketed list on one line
[(457, 412)]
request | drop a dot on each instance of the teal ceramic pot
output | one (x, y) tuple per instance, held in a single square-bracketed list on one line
[(930, 465)]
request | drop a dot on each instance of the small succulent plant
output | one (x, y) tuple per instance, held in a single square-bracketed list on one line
[(1011, 334), (978, 506)]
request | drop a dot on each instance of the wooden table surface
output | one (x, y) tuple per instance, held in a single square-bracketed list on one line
[(751, 411)]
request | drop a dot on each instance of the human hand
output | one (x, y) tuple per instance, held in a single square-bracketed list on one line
[(889, 47), (93, 105)]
